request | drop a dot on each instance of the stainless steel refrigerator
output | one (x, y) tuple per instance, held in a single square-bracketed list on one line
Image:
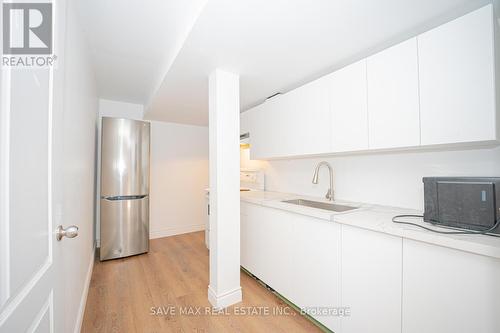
[(124, 209)]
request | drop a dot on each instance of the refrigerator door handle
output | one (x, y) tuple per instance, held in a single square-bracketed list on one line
[(125, 197)]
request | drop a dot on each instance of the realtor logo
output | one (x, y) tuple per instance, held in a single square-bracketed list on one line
[(27, 35), (27, 28)]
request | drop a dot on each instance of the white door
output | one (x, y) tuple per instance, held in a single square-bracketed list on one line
[(30, 193)]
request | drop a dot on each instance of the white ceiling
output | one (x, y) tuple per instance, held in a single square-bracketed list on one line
[(278, 45), (134, 42), (160, 52)]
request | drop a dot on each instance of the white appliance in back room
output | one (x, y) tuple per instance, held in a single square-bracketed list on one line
[(124, 187), (250, 180)]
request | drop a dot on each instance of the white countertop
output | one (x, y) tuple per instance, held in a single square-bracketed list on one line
[(379, 218)]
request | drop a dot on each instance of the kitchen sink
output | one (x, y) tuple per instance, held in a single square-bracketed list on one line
[(321, 205)]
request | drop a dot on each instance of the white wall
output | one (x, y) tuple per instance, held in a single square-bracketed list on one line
[(393, 179), (178, 172), (80, 115), (179, 176), (117, 109)]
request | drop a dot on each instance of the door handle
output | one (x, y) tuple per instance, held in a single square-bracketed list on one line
[(69, 232)]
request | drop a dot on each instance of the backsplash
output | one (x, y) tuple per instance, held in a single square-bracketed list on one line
[(390, 178)]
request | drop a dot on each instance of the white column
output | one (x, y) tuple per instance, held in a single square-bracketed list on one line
[(224, 138)]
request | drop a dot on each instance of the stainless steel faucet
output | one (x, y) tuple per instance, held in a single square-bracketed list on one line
[(329, 194)]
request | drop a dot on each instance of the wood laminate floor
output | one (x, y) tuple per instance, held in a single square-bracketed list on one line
[(147, 293)]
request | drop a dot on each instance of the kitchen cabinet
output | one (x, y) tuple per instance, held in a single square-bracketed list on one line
[(245, 120), (263, 253), (293, 124), (257, 243), (264, 134), (449, 291), (247, 239), (316, 263), (371, 281), (278, 260), (436, 88), (393, 101), (348, 108), (456, 73), (296, 255), (388, 283), (306, 120)]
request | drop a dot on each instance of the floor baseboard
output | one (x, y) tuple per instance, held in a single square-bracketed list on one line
[(224, 300), (175, 231), (83, 301)]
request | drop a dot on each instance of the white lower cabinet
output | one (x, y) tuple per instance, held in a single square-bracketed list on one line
[(449, 291), (247, 239), (262, 252), (388, 283), (277, 257), (297, 256), (371, 281), (316, 264)]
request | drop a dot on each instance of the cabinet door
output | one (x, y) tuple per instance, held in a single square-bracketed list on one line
[(307, 119), (266, 245), (254, 240), (278, 262), (293, 124), (316, 275), (449, 291), (371, 281), (246, 238), (245, 119), (393, 105), (457, 91), (260, 120), (349, 117)]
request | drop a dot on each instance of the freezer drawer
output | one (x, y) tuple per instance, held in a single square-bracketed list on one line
[(124, 227)]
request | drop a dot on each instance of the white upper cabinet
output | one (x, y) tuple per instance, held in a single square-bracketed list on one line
[(457, 89), (296, 123), (307, 118), (393, 104), (245, 118), (349, 118), (262, 123), (437, 88)]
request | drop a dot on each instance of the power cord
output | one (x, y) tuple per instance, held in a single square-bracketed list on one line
[(459, 232)]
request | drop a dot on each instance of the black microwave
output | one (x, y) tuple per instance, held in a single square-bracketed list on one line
[(471, 203)]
